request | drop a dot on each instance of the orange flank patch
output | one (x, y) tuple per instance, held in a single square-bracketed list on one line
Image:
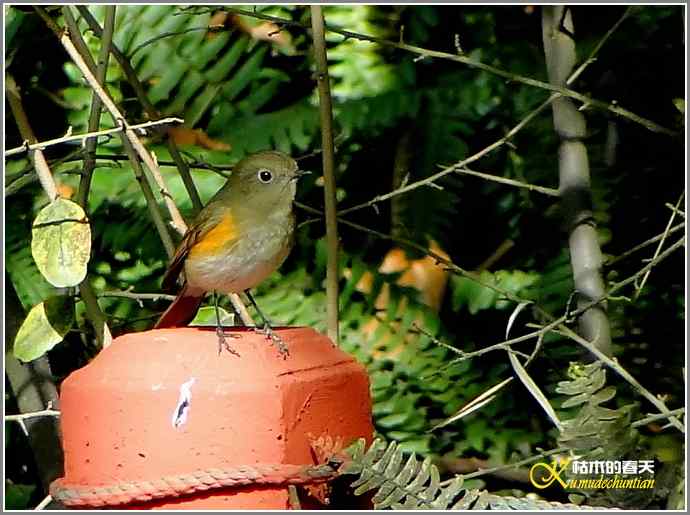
[(216, 239)]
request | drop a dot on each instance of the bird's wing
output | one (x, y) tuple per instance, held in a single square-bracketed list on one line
[(195, 235)]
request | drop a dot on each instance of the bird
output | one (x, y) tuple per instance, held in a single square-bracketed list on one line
[(242, 235)]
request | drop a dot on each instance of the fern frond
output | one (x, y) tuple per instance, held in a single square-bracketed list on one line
[(414, 485), (596, 431)]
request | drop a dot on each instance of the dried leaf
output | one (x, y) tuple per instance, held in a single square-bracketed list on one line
[(534, 389), (187, 136)]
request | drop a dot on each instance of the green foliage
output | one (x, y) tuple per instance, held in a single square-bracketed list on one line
[(398, 118), (407, 484), (18, 497), (596, 432), (44, 327), (61, 243), (472, 295)]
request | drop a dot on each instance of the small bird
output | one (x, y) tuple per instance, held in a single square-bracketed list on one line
[(239, 238)]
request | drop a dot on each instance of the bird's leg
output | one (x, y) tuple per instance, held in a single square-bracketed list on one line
[(220, 332), (267, 329)]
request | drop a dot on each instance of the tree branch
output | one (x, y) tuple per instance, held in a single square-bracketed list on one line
[(87, 61), (423, 52), (39, 161), (150, 110), (88, 137), (326, 111), (78, 58), (616, 367), (611, 261), (499, 143), (667, 231), (569, 123)]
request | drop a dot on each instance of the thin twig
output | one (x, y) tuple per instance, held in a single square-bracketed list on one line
[(675, 209), (658, 416), (151, 203), (616, 367), (45, 502), (125, 294), (512, 182), (163, 35), (48, 412), (452, 267), (326, 110), (423, 52), (42, 145), (490, 148), (149, 108), (638, 289), (178, 222), (96, 105), (520, 463), (609, 262)]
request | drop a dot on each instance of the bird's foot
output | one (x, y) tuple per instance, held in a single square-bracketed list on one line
[(276, 340), (223, 343)]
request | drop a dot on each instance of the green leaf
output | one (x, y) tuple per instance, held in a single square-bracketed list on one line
[(17, 497), (13, 20), (206, 316), (61, 243), (680, 104), (44, 327)]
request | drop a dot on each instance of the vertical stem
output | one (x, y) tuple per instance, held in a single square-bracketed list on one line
[(151, 111), (78, 47), (574, 179), (86, 291), (325, 108), (95, 114), (40, 164)]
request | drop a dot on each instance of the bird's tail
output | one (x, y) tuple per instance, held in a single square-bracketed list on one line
[(182, 310)]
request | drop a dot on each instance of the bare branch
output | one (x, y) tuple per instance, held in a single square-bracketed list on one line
[(178, 222), (96, 105), (42, 145), (48, 412), (126, 294), (151, 111), (511, 182), (616, 367), (423, 52), (40, 164), (609, 262), (326, 110), (667, 231), (87, 61)]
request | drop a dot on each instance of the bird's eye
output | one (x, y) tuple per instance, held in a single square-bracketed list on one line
[(265, 176)]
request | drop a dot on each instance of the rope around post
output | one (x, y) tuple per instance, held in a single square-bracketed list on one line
[(127, 492)]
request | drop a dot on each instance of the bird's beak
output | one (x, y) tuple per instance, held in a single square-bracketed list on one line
[(299, 173)]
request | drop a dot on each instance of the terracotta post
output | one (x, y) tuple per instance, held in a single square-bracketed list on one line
[(163, 404)]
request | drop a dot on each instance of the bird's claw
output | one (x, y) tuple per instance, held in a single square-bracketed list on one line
[(267, 330), (223, 343)]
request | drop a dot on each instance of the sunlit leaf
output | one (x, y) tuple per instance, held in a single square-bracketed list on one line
[(206, 316), (61, 243), (44, 327)]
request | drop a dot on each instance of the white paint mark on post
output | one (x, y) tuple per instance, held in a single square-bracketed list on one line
[(181, 412)]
